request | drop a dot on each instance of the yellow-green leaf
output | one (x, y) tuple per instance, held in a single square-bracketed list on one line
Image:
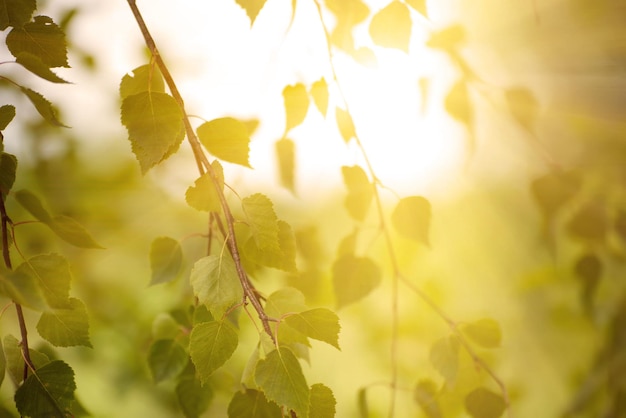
[(523, 106), (166, 258), (444, 356), (216, 284), (35, 65), (391, 26), (14, 356), (142, 79), (360, 191), (167, 359), (483, 403), (320, 324), (193, 398), (286, 154), (411, 218), (319, 92), (345, 124), (425, 394), (8, 166), (32, 204), (227, 139), (43, 107), (252, 404), (53, 276), (70, 231), (65, 327), (296, 105), (322, 402), (262, 221), (484, 332), (211, 344), (42, 38), (203, 195), (47, 392), (354, 278)]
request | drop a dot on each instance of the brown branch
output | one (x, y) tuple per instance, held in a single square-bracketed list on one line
[(203, 164)]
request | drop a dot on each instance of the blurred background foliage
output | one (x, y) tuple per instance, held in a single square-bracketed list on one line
[(533, 235)]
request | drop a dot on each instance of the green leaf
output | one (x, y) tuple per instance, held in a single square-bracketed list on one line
[(155, 126), (444, 356), (483, 403), (164, 326), (523, 106), (419, 6), (167, 359), (15, 360), (322, 402), (347, 246), (283, 257), (448, 39), (65, 327), (319, 92), (193, 398), (48, 392), (203, 195), (7, 113), (41, 38), (24, 287), (8, 166), (43, 106), (280, 377), (32, 204), (144, 78), (425, 394), (354, 278), (296, 102), (216, 284), (16, 12), (52, 274), (166, 258), (252, 404), (70, 231), (227, 139), (283, 301), (252, 8), (286, 154), (211, 344), (360, 191), (262, 221), (35, 65), (484, 332), (320, 324), (345, 124), (391, 26), (411, 218)]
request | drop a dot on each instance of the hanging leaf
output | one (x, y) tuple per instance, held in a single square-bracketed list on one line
[(484, 332), (523, 106), (252, 404), (458, 105), (23, 288), (33, 205), (35, 65), (425, 394), (348, 244), (7, 113), (419, 6), (590, 222), (145, 78), (350, 12), (322, 402), (43, 107), (8, 167), (16, 12), (296, 105), (360, 191), (65, 327), (282, 257), (320, 324), (166, 259), (444, 356), (41, 38), (411, 218), (193, 398), (52, 273), (70, 231), (282, 302), (167, 359), (354, 278), (280, 377), (216, 284), (211, 344), (262, 221), (286, 154), (252, 8), (203, 195), (449, 38), (155, 126), (12, 349), (483, 403), (391, 26), (48, 391), (227, 139), (319, 92), (345, 124)]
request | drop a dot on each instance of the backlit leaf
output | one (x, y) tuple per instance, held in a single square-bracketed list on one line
[(283, 257), (7, 113), (522, 105), (227, 139), (444, 356), (354, 278), (167, 359), (43, 106), (52, 273), (419, 6), (215, 283), (35, 65), (411, 218), (283, 301), (15, 359), (349, 12), (70, 231), (193, 397), (391, 26), (319, 92), (320, 324), (32, 204), (296, 105), (23, 287), (166, 258), (252, 8), (360, 191), (458, 105), (211, 344), (16, 12), (483, 403), (449, 38), (262, 221), (280, 377), (8, 166), (425, 394), (203, 195), (345, 124), (142, 79), (484, 332), (155, 127), (286, 154), (252, 404), (65, 327), (322, 402), (348, 244), (41, 38), (47, 392)]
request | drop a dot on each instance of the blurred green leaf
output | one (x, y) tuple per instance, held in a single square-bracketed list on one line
[(444, 356), (216, 284), (286, 154), (354, 278), (425, 394), (322, 402), (391, 26), (483, 403), (360, 191), (166, 258), (590, 222), (319, 92), (65, 327), (70, 231), (193, 398), (211, 344), (32, 204), (167, 359), (47, 392), (227, 139), (485, 332), (411, 218), (52, 273), (297, 103), (345, 124), (252, 404)]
